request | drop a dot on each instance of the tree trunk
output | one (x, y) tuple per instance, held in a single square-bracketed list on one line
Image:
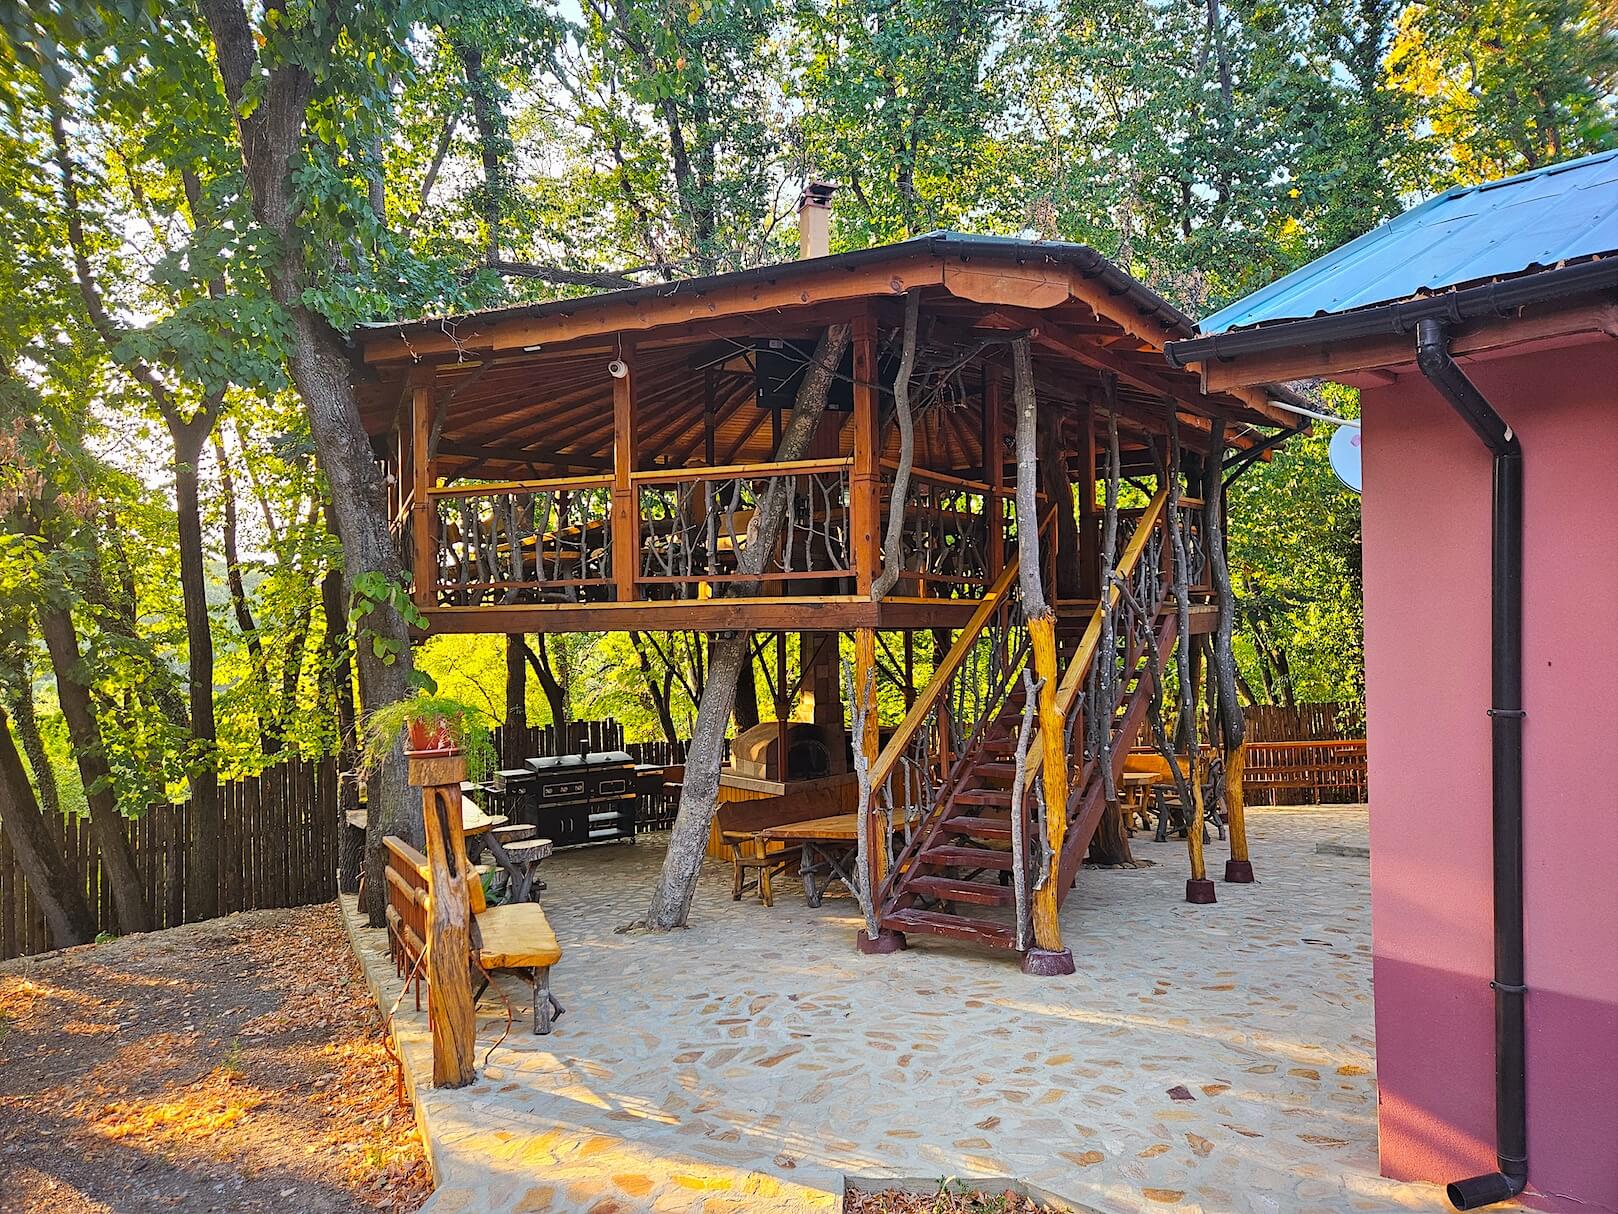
[(658, 691), (1057, 485), (516, 726), (202, 875), (338, 683), (746, 705), (106, 825), (269, 743), (699, 797), (555, 694), (1223, 658), (46, 870), (271, 134)]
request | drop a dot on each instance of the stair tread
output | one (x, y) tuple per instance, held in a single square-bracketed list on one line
[(984, 796), (967, 857), (957, 927), (952, 889), (982, 828)]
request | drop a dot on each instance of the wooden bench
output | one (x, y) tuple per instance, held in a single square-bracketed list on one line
[(740, 824), (514, 937)]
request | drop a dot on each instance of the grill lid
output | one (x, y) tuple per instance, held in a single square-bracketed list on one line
[(596, 758)]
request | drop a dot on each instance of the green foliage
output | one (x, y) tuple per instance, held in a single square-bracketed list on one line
[(447, 720), (1295, 567)]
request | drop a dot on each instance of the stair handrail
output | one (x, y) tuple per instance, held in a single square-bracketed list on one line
[(905, 732), (1072, 681)]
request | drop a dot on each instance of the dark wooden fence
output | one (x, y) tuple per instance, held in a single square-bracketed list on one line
[(278, 847), (1306, 754)]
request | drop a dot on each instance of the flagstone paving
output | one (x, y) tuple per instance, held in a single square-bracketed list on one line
[(1214, 1058)]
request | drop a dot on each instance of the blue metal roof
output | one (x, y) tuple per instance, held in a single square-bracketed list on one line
[(1471, 234)]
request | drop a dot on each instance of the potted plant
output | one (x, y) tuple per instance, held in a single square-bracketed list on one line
[(431, 725)]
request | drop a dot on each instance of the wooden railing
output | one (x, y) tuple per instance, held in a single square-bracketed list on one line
[(954, 530), (523, 542), (694, 525), (552, 541), (928, 752)]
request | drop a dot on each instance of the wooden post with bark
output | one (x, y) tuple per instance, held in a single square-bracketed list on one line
[(1198, 889), (449, 920), (1048, 956), (1222, 663)]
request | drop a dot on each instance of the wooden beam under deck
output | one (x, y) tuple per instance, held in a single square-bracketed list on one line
[(825, 613)]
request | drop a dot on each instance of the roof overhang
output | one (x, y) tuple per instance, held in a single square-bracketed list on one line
[(1027, 276), (1538, 306)]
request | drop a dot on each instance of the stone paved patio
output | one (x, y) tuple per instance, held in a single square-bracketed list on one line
[(1202, 1059)]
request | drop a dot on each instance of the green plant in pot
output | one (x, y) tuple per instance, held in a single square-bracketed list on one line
[(430, 725)]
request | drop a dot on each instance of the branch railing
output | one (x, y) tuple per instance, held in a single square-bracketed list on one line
[(928, 753), (523, 542), (552, 541), (946, 540), (694, 525)]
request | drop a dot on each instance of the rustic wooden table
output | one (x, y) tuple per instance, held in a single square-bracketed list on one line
[(829, 847)]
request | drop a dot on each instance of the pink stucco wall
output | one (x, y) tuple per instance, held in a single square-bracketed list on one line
[(1426, 527)]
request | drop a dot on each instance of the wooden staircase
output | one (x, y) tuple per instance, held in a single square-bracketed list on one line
[(956, 874)]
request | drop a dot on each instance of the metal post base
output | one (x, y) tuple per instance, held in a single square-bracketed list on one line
[(1201, 893), (1239, 872)]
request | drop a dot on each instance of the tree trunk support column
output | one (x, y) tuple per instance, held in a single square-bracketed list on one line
[(1239, 868), (449, 918), (1048, 957)]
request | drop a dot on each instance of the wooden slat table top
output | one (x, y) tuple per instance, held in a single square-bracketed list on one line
[(473, 820), (837, 828)]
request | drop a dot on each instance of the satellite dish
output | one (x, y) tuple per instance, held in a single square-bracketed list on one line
[(1344, 454)]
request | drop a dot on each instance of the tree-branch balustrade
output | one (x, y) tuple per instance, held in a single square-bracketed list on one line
[(524, 542), (694, 526)]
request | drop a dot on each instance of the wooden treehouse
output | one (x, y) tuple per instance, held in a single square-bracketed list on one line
[(595, 464)]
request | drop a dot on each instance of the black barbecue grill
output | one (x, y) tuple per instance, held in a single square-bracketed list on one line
[(575, 799)]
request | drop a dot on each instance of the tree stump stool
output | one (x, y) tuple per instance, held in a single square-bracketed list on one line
[(523, 860)]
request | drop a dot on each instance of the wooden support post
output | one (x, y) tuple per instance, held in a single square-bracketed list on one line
[(1089, 532), (1198, 889), (1239, 868), (449, 923), (625, 507), (423, 518), (865, 488), (1054, 782), (994, 470), (865, 686)]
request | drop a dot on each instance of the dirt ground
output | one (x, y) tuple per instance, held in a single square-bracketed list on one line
[(236, 1066)]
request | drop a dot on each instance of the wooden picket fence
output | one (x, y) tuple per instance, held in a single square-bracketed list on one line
[(1302, 773), (278, 847), (1303, 722)]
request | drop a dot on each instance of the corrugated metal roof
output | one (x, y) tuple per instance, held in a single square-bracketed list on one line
[(1560, 213)]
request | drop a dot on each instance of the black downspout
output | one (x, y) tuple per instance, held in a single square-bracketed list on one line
[(1506, 717)]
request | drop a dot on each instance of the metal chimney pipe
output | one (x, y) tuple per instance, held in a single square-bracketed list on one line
[(814, 219)]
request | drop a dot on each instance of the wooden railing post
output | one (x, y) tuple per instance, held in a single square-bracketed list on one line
[(625, 496), (449, 923), (424, 541)]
